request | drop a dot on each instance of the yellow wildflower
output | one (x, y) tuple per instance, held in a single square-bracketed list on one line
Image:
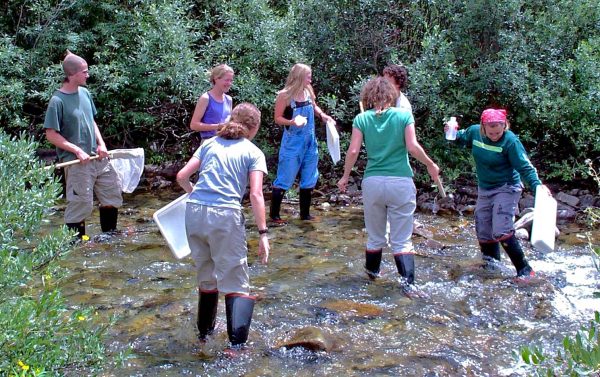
[(81, 318), (23, 366), (85, 237)]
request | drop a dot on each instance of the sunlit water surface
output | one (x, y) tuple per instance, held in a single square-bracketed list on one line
[(469, 323)]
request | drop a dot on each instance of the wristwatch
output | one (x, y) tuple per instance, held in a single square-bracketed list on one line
[(263, 231)]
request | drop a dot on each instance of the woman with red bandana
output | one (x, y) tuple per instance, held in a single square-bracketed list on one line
[(501, 163)]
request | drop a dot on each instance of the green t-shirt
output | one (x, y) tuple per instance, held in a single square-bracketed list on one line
[(72, 115), (383, 135), (498, 163)]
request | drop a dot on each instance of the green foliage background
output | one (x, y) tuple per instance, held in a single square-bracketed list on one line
[(149, 58), (149, 61), (41, 335)]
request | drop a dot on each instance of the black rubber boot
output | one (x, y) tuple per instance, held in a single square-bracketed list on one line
[(517, 256), (276, 197), (490, 250), (239, 315), (372, 263), (207, 312), (305, 200), (406, 266), (78, 227), (108, 218)]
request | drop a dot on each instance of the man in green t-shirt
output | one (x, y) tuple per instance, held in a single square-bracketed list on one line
[(70, 126)]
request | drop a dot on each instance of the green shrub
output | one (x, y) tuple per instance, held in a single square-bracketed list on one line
[(580, 355), (148, 64), (40, 335)]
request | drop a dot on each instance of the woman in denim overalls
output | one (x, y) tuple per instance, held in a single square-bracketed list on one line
[(295, 108)]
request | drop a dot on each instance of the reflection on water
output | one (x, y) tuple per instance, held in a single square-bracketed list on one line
[(469, 323)]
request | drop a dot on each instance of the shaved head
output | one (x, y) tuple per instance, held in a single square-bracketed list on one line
[(72, 64)]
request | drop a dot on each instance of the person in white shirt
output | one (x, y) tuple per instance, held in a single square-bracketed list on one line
[(398, 76)]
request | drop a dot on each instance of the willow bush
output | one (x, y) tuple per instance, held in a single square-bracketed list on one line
[(149, 59), (41, 334)]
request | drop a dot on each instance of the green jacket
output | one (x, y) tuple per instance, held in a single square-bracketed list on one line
[(501, 162)]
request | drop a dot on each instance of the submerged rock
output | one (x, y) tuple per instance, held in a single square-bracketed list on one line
[(310, 338), (422, 231), (350, 308), (433, 244)]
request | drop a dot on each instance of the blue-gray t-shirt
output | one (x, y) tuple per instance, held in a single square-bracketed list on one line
[(224, 169)]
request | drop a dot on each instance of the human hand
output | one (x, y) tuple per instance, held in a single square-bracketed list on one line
[(102, 152), (434, 171), (299, 120), (546, 190), (82, 156), (327, 119), (263, 248), (343, 184)]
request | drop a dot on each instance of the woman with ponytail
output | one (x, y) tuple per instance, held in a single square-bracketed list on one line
[(215, 223)]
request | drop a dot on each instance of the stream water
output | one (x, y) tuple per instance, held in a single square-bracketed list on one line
[(469, 323)]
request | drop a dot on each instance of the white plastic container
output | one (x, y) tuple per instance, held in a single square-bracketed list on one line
[(544, 221), (452, 129), (333, 141), (171, 223)]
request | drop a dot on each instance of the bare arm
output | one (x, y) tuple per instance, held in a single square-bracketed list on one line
[(59, 141), (183, 176), (258, 209), (321, 114), (351, 156), (100, 146), (318, 111), (196, 123), (280, 105), (416, 150)]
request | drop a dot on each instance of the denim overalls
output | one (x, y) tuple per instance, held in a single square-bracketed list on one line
[(299, 152)]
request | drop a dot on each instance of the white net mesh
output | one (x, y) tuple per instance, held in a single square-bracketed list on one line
[(129, 165)]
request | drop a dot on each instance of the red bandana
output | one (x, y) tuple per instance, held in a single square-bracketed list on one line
[(493, 115)]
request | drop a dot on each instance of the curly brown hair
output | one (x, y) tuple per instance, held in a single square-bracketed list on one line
[(378, 93), (245, 117), (399, 73)]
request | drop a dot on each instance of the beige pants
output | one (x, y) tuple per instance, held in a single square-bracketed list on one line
[(83, 181), (217, 239)]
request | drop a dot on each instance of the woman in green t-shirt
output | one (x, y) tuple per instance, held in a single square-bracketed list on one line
[(388, 188)]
